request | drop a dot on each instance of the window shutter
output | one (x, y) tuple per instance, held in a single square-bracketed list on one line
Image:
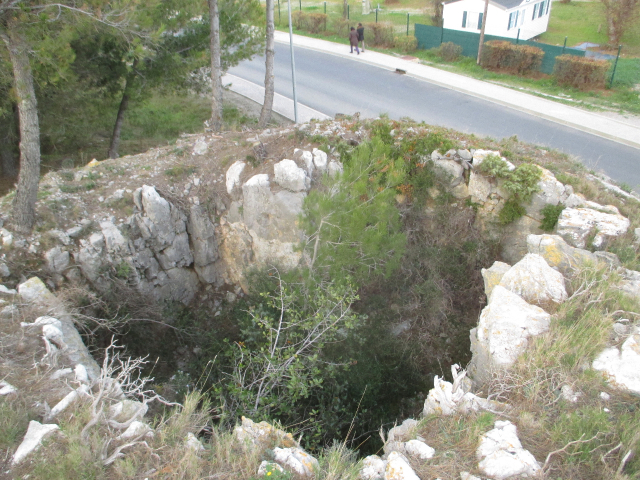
[(464, 19), (480, 15)]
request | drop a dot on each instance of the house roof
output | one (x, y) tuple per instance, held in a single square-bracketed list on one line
[(502, 4)]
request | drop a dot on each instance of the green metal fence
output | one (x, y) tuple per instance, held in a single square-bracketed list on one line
[(432, 37)]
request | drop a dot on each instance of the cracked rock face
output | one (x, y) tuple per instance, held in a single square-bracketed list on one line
[(576, 225), (621, 365)]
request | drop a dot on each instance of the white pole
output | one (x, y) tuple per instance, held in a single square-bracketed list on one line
[(293, 68)]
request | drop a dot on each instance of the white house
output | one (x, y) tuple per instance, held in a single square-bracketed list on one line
[(504, 17)]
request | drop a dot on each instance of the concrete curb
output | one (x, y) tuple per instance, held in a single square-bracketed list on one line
[(281, 104)]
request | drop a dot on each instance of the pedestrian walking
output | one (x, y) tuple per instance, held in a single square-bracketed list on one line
[(353, 40), (360, 31)]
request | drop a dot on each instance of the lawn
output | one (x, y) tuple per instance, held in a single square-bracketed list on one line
[(585, 22)]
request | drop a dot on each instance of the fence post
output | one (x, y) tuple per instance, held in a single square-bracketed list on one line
[(442, 32), (614, 66), (407, 24), (376, 15), (518, 37), (564, 46), (347, 10), (279, 19), (325, 8), (300, 5)]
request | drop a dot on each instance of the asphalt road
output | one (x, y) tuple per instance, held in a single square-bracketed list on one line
[(331, 84)]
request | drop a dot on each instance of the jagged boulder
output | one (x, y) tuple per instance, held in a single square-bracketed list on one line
[(575, 225), (373, 468), (262, 435), (288, 175), (296, 460), (233, 176), (621, 365), (398, 468), (503, 330), (501, 454), (32, 440), (535, 281), (493, 275)]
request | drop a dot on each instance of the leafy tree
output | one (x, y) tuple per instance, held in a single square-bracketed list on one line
[(621, 14), (22, 24), (352, 224), (280, 361)]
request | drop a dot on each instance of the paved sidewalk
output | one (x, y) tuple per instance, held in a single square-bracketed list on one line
[(590, 122)]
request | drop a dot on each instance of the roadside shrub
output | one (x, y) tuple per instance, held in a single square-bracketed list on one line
[(380, 34), (579, 72), (406, 44), (311, 22), (449, 51), (501, 54), (340, 26)]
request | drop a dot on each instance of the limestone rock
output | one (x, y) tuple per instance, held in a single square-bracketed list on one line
[(262, 435), (202, 235), (288, 175), (501, 454), (419, 450), (447, 398), (125, 410), (233, 175), (403, 432), (32, 440), (479, 187), (575, 225), (535, 281), (450, 167), (297, 460), (307, 159), (622, 366), (57, 260), (200, 148), (6, 388), (8, 293), (4, 270), (137, 429), (35, 291), (559, 254), (493, 275), (503, 330), (373, 468), (114, 240), (192, 443), (398, 468), (319, 159), (267, 468), (550, 192)]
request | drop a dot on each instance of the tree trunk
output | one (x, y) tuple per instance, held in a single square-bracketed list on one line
[(124, 104), (8, 141), (267, 106), (24, 206), (216, 74)]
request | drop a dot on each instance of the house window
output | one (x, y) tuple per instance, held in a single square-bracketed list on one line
[(471, 20), (535, 11), (513, 20), (548, 6), (541, 10)]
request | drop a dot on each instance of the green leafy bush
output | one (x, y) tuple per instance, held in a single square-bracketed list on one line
[(449, 51), (406, 44), (579, 72), (521, 183), (551, 214)]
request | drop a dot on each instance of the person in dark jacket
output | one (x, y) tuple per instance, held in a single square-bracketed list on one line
[(360, 31), (353, 40)]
